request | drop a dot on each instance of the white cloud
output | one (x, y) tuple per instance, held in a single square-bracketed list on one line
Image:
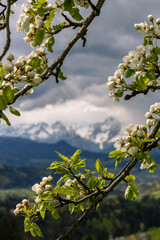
[(80, 111)]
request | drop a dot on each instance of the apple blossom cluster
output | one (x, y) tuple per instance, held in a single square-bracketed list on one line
[(154, 109), (20, 206), (45, 185), (142, 64), (134, 60), (23, 67), (130, 144), (31, 23), (145, 28)]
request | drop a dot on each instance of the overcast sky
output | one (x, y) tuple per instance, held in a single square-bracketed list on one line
[(83, 97)]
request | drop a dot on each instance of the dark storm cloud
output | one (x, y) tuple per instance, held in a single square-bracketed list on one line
[(109, 38)]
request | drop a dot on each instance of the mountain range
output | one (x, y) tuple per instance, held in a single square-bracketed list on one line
[(24, 162), (94, 137)]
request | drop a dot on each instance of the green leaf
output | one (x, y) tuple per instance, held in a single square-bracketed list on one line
[(35, 230), (59, 26), (75, 157), (71, 207), (60, 75), (53, 211), (130, 178), (62, 170), (27, 224), (2, 72), (50, 44), (82, 206), (74, 12), (41, 1), (99, 166), (50, 18), (55, 165), (41, 10), (150, 66), (145, 41), (68, 4), (110, 175), (35, 61), (67, 190), (129, 72), (93, 182), (65, 159), (42, 208), (3, 116), (39, 36), (114, 153), (152, 167), (3, 103), (141, 84), (8, 94), (131, 191), (119, 159), (134, 189), (14, 111), (157, 49)]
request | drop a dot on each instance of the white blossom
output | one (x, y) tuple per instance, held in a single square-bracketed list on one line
[(150, 122), (8, 66)]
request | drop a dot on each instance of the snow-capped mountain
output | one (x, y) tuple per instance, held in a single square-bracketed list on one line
[(94, 137)]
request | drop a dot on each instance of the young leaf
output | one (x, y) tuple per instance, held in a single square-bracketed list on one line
[(39, 36), (60, 75), (35, 230), (62, 170), (55, 165), (8, 94), (110, 175), (68, 4), (114, 153), (3, 103), (42, 208), (65, 159), (27, 224), (14, 111), (74, 12), (129, 72), (50, 44), (3, 116), (99, 166), (50, 18), (93, 182), (130, 178)]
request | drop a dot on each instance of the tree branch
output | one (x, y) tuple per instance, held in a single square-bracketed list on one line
[(134, 93), (59, 61), (110, 187), (79, 35), (8, 39)]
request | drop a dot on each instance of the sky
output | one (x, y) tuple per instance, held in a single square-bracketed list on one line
[(83, 97)]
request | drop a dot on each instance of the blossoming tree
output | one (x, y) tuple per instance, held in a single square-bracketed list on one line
[(78, 187)]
